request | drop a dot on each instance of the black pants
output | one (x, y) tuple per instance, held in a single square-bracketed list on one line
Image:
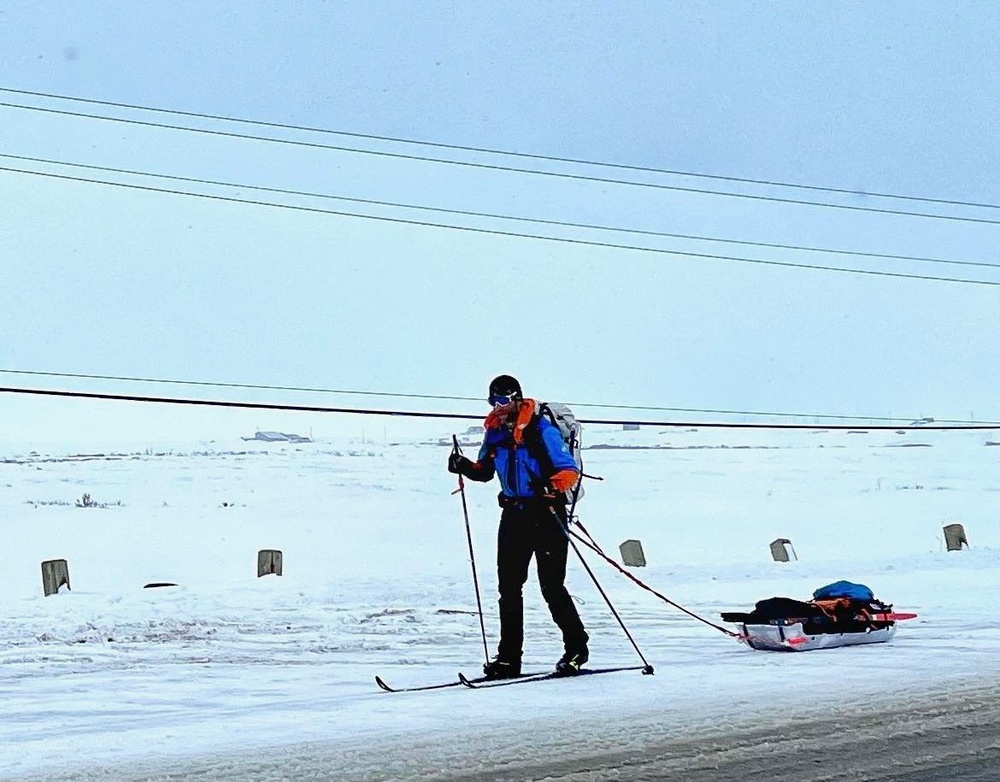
[(525, 530)]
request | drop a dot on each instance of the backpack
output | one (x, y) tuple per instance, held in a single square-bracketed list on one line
[(571, 430)]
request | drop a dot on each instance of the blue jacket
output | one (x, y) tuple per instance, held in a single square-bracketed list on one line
[(524, 456)]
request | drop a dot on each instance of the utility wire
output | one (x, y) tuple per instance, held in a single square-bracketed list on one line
[(496, 167), (495, 232), (467, 416), (502, 152), (229, 403), (444, 397), (494, 216), (252, 386)]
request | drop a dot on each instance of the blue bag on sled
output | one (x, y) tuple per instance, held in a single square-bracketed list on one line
[(843, 589)]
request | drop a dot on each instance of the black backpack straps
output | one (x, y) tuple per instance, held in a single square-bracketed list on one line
[(533, 440)]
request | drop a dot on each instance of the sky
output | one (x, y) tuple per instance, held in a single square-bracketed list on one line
[(888, 98), (227, 676)]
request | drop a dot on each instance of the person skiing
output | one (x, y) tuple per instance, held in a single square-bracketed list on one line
[(527, 453)]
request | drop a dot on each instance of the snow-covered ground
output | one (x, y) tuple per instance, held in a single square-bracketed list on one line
[(115, 679)]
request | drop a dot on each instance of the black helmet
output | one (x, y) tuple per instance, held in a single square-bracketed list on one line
[(505, 385)]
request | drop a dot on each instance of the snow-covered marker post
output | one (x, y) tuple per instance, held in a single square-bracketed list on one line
[(269, 561), (632, 554), (55, 573), (779, 552), (954, 537)]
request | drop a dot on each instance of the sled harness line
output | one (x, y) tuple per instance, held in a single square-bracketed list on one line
[(592, 545)]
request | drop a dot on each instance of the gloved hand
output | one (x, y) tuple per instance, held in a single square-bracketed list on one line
[(564, 480), (458, 464), (552, 497)]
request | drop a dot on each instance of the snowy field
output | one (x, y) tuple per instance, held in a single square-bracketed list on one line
[(249, 675)]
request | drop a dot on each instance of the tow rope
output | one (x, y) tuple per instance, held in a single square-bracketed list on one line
[(592, 545)]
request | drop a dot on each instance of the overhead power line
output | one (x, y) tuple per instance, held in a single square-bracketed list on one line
[(495, 216), (509, 169), (251, 386), (503, 152), (452, 398), (459, 416), (496, 232), (225, 403)]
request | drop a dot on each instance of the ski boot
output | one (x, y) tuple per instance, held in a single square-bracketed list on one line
[(571, 662), (499, 668)]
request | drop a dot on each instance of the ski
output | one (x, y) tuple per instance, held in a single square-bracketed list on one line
[(445, 685), (381, 683), (481, 683)]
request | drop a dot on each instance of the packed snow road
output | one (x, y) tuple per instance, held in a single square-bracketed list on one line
[(233, 677), (939, 736)]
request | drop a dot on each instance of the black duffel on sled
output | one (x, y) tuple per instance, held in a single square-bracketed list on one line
[(840, 614)]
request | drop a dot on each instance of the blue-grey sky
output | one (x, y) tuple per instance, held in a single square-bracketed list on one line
[(892, 97)]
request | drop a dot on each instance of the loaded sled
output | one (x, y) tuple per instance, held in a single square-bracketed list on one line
[(840, 614)]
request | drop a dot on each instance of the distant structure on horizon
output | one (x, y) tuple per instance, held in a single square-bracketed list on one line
[(278, 437)]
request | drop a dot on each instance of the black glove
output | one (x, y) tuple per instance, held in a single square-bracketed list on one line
[(458, 464), (554, 497)]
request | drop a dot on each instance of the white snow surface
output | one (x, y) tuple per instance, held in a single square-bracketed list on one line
[(114, 680)]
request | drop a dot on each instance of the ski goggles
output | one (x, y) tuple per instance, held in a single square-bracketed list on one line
[(500, 401)]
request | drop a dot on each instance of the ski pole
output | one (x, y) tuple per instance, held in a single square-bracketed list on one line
[(647, 668), (472, 553), (564, 526)]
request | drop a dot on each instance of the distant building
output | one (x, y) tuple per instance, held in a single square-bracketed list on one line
[(278, 437)]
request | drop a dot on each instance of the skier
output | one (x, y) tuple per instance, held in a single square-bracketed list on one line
[(535, 469)]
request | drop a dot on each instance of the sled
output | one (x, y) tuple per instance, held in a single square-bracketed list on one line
[(781, 624), (793, 637)]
